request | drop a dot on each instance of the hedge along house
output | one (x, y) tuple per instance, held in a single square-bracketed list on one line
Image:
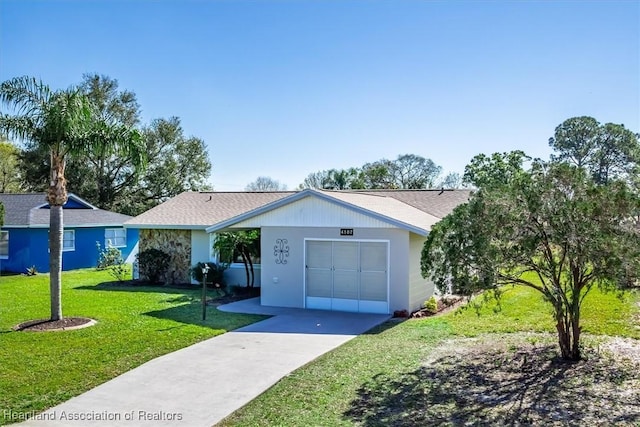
[(24, 237), (334, 250)]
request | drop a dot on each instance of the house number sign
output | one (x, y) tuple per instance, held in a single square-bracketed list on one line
[(346, 231)]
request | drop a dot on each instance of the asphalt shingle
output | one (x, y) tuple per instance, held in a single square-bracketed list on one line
[(200, 210), (26, 210)]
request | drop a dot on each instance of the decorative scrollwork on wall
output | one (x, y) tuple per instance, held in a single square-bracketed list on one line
[(281, 251)]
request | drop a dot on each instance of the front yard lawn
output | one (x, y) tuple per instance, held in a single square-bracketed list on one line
[(465, 369), (135, 324)]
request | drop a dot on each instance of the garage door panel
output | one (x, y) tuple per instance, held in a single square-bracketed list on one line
[(339, 304), (319, 283), (318, 303), (373, 256), (319, 254), (347, 276), (345, 255), (380, 307), (373, 286), (345, 284)]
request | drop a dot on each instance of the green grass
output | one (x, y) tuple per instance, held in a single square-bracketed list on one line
[(135, 324), (324, 392)]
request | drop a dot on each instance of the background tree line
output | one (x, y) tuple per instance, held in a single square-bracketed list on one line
[(175, 162), (407, 171)]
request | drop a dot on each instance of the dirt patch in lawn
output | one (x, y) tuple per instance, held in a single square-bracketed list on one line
[(64, 324), (515, 379)]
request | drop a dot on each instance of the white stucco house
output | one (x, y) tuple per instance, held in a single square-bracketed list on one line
[(355, 250)]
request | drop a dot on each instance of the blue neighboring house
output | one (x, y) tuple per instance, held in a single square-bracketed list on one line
[(24, 237)]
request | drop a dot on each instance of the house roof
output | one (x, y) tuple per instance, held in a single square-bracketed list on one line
[(438, 203), (384, 208), (32, 210), (417, 210), (202, 209)]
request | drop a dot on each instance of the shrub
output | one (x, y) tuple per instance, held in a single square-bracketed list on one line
[(431, 305), (111, 259), (215, 275), (153, 264), (108, 256), (120, 272)]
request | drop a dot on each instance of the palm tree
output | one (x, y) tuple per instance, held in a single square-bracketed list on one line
[(64, 122)]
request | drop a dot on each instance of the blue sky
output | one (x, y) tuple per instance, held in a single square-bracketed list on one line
[(286, 88)]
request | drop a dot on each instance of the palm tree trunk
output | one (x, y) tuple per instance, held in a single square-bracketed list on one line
[(55, 260), (57, 197)]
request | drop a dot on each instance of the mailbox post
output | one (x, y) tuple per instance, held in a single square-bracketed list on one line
[(205, 271)]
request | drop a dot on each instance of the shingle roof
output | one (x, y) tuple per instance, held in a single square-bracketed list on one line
[(29, 210), (18, 206), (200, 210), (387, 206), (421, 208), (438, 203)]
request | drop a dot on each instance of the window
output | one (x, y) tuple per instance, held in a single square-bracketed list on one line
[(115, 237), (4, 244), (69, 240)]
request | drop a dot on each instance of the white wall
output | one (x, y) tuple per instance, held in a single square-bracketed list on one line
[(313, 212), (237, 275), (419, 289), (199, 248), (283, 283)]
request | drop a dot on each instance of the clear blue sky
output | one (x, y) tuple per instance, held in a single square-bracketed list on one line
[(286, 88)]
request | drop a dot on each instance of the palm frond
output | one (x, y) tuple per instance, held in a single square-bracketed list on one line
[(109, 138), (26, 95), (19, 127)]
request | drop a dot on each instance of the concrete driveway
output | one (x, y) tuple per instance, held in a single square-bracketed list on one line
[(201, 384)]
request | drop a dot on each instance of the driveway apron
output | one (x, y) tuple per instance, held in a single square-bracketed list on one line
[(201, 384)]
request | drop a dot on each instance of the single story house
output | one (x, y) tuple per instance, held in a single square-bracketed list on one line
[(353, 250), (24, 237)]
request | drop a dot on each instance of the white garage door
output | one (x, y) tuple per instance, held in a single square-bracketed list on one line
[(347, 276)]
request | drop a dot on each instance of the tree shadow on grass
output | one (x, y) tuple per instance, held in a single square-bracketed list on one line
[(524, 386), (133, 286), (191, 313)]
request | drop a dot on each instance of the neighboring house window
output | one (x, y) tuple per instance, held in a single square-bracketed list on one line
[(4, 244), (69, 240), (115, 237)]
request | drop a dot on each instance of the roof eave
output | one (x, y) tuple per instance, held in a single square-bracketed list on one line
[(165, 226), (39, 226)]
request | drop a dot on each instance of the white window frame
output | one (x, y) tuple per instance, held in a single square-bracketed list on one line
[(6, 233), (65, 233), (108, 241)]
